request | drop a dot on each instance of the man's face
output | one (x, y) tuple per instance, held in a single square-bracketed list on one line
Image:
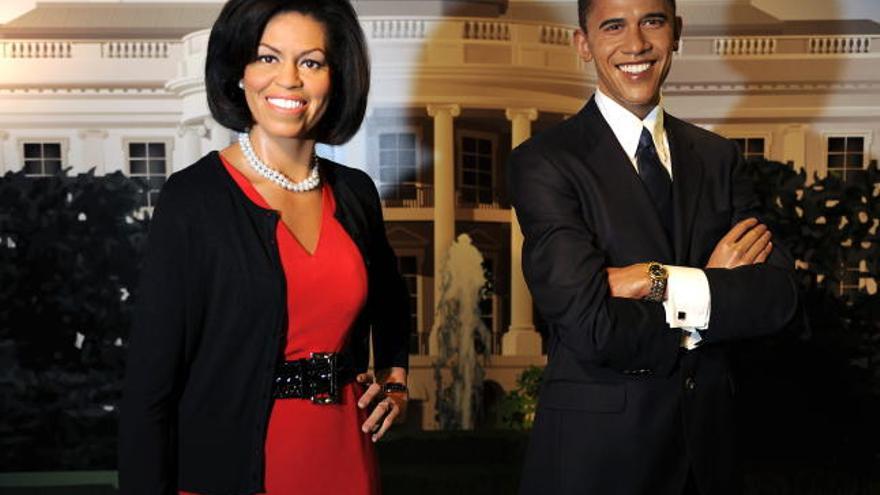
[(630, 43)]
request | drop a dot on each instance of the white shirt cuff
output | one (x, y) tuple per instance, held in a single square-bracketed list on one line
[(688, 301)]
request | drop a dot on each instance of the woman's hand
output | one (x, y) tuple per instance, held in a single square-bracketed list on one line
[(386, 407), (747, 243)]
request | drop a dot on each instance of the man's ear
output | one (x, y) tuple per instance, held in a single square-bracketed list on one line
[(677, 33), (582, 46)]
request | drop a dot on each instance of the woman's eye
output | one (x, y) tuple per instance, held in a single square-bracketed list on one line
[(267, 59), (312, 64)]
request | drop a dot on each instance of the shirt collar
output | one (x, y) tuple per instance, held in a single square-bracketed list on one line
[(627, 127)]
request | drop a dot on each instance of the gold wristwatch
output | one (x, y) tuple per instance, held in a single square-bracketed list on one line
[(659, 276)]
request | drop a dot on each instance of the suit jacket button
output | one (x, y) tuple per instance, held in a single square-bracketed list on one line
[(690, 383)]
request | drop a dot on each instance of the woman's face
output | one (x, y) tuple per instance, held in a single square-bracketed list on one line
[(288, 85)]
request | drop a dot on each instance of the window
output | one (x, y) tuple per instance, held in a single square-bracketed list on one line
[(398, 162), (846, 161), (477, 166), (409, 270), (41, 159), (751, 147), (148, 161), (846, 157)]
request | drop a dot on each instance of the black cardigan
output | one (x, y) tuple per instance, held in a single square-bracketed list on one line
[(210, 321)]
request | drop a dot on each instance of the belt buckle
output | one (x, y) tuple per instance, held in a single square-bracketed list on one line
[(324, 364)]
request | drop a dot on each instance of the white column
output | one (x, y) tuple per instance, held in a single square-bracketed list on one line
[(3, 137), (521, 338), (219, 136), (444, 192), (190, 138), (93, 150), (794, 146)]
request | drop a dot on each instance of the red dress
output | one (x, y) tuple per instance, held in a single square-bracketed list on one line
[(310, 448)]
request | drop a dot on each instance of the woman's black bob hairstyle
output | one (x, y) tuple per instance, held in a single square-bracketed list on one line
[(233, 45)]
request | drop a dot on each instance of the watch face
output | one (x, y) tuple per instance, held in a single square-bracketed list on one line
[(657, 270)]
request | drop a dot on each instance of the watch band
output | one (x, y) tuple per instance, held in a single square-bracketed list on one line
[(659, 277)]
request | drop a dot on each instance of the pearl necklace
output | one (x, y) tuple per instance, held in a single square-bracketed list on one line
[(307, 184)]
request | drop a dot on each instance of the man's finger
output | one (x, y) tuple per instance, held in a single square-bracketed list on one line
[(740, 228), (762, 257), (750, 237), (756, 247)]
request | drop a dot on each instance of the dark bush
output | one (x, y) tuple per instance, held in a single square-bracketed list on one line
[(70, 247), (811, 396)]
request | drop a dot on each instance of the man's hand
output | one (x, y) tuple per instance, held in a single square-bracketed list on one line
[(747, 243), (630, 281)]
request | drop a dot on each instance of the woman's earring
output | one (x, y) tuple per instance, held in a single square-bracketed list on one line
[(241, 84)]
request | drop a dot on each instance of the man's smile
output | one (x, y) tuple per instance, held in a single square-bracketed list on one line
[(636, 68)]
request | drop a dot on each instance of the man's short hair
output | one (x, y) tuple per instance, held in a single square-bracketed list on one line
[(233, 45), (584, 7)]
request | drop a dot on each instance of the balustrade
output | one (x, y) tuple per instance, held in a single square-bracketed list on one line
[(37, 49), (486, 30), (135, 49), (840, 44), (395, 28), (556, 35), (745, 46)]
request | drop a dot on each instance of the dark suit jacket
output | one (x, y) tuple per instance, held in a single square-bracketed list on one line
[(623, 409)]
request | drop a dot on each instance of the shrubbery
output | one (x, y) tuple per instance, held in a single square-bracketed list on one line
[(70, 248)]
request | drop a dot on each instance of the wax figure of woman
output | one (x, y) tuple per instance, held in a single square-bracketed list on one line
[(267, 273)]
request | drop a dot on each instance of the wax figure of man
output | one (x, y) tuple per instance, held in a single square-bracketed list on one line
[(644, 253)]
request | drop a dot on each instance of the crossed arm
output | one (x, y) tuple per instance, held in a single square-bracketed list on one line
[(747, 243), (598, 313)]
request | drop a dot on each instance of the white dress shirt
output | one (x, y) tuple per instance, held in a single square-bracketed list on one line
[(688, 301)]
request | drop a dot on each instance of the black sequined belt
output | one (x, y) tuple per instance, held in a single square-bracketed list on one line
[(318, 378)]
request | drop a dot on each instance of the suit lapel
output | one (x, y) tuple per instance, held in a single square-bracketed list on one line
[(687, 178), (606, 157)]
